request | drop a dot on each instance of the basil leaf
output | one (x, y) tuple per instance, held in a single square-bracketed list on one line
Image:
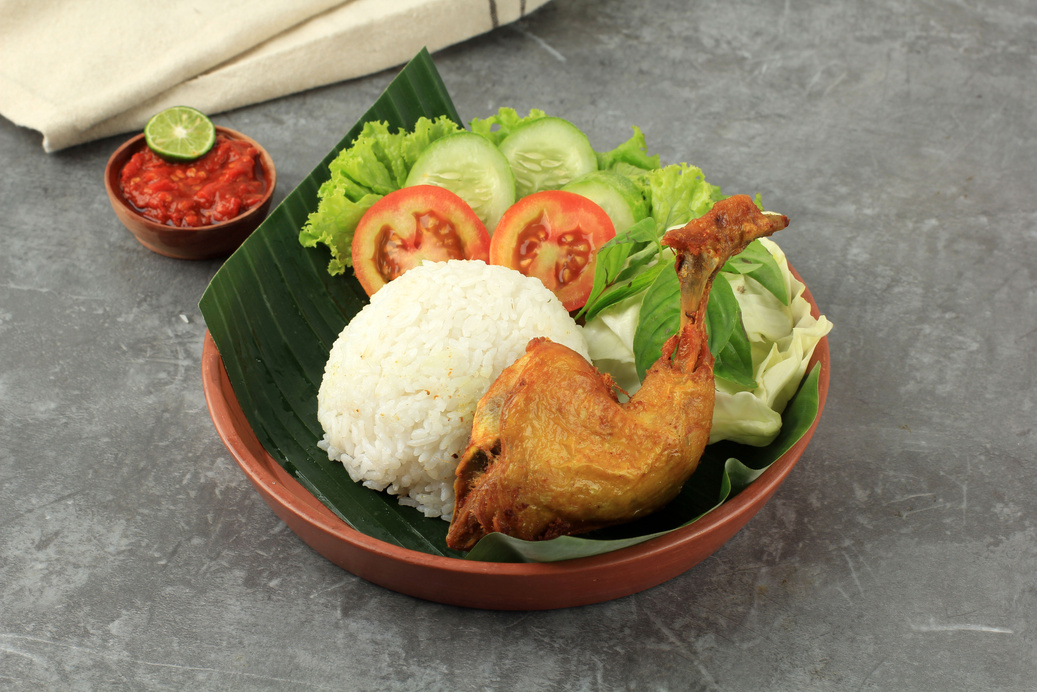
[(735, 362), (659, 319), (723, 315), (757, 262), (618, 266), (728, 341)]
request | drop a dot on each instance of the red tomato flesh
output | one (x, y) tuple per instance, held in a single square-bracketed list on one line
[(411, 225), (554, 236)]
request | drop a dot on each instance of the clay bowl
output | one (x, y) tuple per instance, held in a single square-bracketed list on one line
[(205, 242), (490, 585)]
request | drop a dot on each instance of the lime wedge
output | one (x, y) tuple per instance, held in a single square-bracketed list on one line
[(180, 133)]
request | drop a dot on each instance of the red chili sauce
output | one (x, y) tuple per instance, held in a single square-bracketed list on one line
[(225, 182)]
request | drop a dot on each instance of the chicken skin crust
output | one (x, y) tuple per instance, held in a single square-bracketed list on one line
[(553, 452)]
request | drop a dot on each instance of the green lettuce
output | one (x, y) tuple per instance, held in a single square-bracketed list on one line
[(505, 121), (679, 193), (632, 153), (374, 165)]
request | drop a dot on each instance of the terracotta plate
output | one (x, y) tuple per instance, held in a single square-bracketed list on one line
[(492, 585)]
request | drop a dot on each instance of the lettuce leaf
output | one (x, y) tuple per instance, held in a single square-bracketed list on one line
[(633, 152), (496, 127), (680, 193), (374, 165)]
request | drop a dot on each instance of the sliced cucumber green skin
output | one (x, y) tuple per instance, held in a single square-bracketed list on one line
[(546, 154), (619, 197), (471, 167)]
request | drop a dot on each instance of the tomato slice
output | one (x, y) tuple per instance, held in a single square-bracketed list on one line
[(411, 225), (554, 236)]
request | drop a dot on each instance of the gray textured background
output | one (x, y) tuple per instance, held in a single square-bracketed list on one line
[(901, 553)]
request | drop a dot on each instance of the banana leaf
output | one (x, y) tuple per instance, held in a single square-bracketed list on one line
[(274, 312)]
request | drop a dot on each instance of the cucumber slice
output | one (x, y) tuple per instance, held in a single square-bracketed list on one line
[(546, 154), (618, 196), (472, 168)]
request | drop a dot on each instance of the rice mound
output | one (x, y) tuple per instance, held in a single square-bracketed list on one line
[(403, 378)]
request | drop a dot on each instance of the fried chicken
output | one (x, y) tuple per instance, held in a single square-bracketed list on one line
[(552, 450)]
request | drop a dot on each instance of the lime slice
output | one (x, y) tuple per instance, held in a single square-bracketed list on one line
[(180, 133)]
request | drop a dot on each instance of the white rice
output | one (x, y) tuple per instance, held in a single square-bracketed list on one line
[(404, 377)]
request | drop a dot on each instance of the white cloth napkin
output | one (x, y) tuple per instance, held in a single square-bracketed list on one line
[(78, 71)]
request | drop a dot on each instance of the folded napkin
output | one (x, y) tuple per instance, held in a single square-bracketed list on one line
[(78, 71)]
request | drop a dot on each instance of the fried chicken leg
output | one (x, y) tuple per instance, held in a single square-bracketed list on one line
[(552, 450)]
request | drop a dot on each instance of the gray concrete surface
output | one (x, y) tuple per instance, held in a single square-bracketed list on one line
[(900, 555)]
